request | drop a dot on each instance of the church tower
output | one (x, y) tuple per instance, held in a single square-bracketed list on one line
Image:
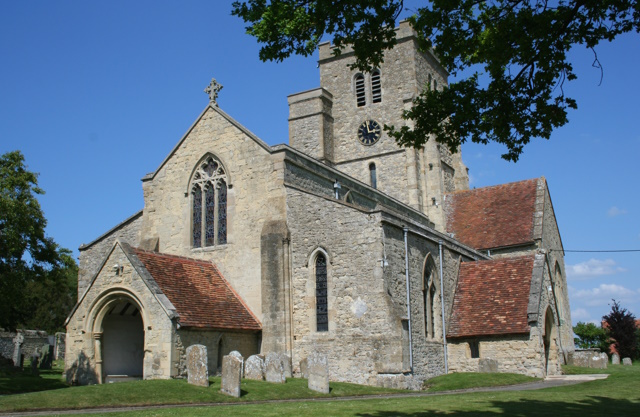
[(341, 124)]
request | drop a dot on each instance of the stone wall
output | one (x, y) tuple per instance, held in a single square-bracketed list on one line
[(92, 255), (84, 325), (245, 343), (33, 341)]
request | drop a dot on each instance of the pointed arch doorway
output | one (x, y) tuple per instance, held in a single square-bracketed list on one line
[(548, 331)]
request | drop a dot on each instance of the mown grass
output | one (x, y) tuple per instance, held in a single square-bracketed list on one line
[(618, 395), (13, 381), (474, 380)]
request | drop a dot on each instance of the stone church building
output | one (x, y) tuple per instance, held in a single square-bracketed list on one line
[(342, 242)]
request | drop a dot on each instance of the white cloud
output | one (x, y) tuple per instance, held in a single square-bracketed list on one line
[(580, 314), (593, 268), (615, 211), (603, 294)]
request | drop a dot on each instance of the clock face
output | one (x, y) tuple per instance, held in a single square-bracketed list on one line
[(369, 132)]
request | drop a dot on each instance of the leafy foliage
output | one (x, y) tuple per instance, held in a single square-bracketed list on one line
[(35, 272), (591, 336), (622, 328), (512, 54)]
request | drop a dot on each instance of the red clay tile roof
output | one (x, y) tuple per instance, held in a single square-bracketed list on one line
[(492, 298), (493, 217), (199, 292)]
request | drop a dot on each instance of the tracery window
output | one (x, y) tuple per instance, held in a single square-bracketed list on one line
[(376, 88), (209, 204), (322, 316), (361, 99)]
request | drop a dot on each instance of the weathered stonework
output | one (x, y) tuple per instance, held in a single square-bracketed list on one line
[(318, 372), (197, 370), (231, 375), (254, 368)]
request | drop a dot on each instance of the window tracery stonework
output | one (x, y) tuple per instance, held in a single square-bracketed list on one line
[(209, 204)]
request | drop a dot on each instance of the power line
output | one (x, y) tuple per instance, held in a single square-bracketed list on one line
[(598, 251)]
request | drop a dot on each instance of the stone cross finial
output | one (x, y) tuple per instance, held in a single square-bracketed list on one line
[(213, 89)]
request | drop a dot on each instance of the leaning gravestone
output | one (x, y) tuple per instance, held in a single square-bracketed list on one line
[(34, 364), (487, 365), (626, 361), (286, 364), (231, 375), (615, 359), (17, 349), (304, 368), (274, 369), (46, 357), (318, 367), (197, 370), (238, 355), (254, 368)]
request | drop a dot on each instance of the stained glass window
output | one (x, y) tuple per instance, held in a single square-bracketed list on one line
[(210, 210), (197, 216), (209, 194), (322, 317), (222, 213)]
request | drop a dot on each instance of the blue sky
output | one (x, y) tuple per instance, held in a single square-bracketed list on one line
[(95, 94)]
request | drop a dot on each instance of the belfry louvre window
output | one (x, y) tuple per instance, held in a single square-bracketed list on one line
[(376, 88), (322, 317), (209, 204), (361, 99)]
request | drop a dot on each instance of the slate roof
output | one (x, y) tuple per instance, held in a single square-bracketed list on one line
[(492, 298), (199, 292), (493, 217)]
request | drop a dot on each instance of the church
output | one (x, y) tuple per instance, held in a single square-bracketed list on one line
[(341, 242)]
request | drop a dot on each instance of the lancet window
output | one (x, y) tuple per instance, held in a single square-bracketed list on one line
[(361, 98), (322, 316), (376, 88), (429, 299), (209, 204)]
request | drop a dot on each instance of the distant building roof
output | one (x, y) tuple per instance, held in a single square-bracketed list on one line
[(492, 297), (493, 217), (199, 292)]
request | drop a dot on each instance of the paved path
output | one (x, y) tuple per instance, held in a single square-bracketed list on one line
[(552, 381)]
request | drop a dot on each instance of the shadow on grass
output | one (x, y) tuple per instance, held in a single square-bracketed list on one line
[(18, 381), (592, 406)]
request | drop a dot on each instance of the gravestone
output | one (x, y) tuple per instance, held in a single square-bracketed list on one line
[(17, 349), (46, 357), (615, 359), (238, 355), (605, 357), (274, 369), (231, 375), (61, 339), (318, 368), (487, 365), (304, 368), (34, 364), (626, 361), (286, 364), (598, 362), (197, 370), (254, 368)]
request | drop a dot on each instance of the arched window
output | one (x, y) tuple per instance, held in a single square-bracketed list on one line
[(429, 298), (361, 99), (209, 204), (322, 316), (372, 175), (376, 88)]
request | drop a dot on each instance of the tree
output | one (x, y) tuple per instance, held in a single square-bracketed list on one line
[(591, 336), (622, 328), (32, 266), (512, 53)]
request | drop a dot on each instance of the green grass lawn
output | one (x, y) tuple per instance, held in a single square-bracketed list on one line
[(619, 395), (474, 380)]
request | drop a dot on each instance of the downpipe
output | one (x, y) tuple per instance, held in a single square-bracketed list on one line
[(406, 272), (444, 327)]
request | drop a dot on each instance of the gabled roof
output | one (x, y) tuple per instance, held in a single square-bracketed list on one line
[(492, 297), (199, 292), (493, 217)]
